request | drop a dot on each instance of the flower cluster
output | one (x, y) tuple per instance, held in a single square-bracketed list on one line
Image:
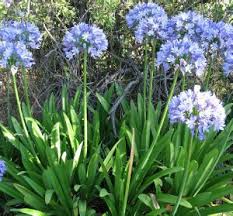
[(184, 55), (15, 54), (147, 20), (2, 169), (186, 24), (200, 111), (198, 29), (84, 36), (16, 38), (23, 32)]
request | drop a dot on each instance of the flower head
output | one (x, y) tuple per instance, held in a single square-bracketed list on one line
[(15, 54), (184, 55), (209, 36), (143, 11), (84, 36), (2, 169), (24, 32), (200, 111), (186, 24), (148, 20)]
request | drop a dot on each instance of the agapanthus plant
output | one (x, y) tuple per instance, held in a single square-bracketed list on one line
[(148, 21), (16, 38), (183, 55), (84, 39), (2, 169), (201, 112)]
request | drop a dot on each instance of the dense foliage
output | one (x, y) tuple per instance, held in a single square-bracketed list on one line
[(165, 151)]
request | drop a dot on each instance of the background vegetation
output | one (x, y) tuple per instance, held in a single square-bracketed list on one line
[(123, 61)]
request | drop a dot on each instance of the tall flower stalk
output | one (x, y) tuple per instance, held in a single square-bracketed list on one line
[(152, 70), (85, 101), (148, 21), (145, 74), (85, 39)]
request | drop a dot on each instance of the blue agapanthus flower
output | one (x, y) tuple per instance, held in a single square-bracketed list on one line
[(210, 36), (84, 36), (147, 20), (2, 169), (24, 32), (186, 24), (143, 11), (200, 111), (15, 54), (30, 34), (183, 55), (152, 27)]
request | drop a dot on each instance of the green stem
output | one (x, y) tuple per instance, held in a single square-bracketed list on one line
[(25, 88), (19, 105), (145, 71), (152, 72), (85, 101), (183, 83), (185, 177), (142, 168), (8, 99)]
